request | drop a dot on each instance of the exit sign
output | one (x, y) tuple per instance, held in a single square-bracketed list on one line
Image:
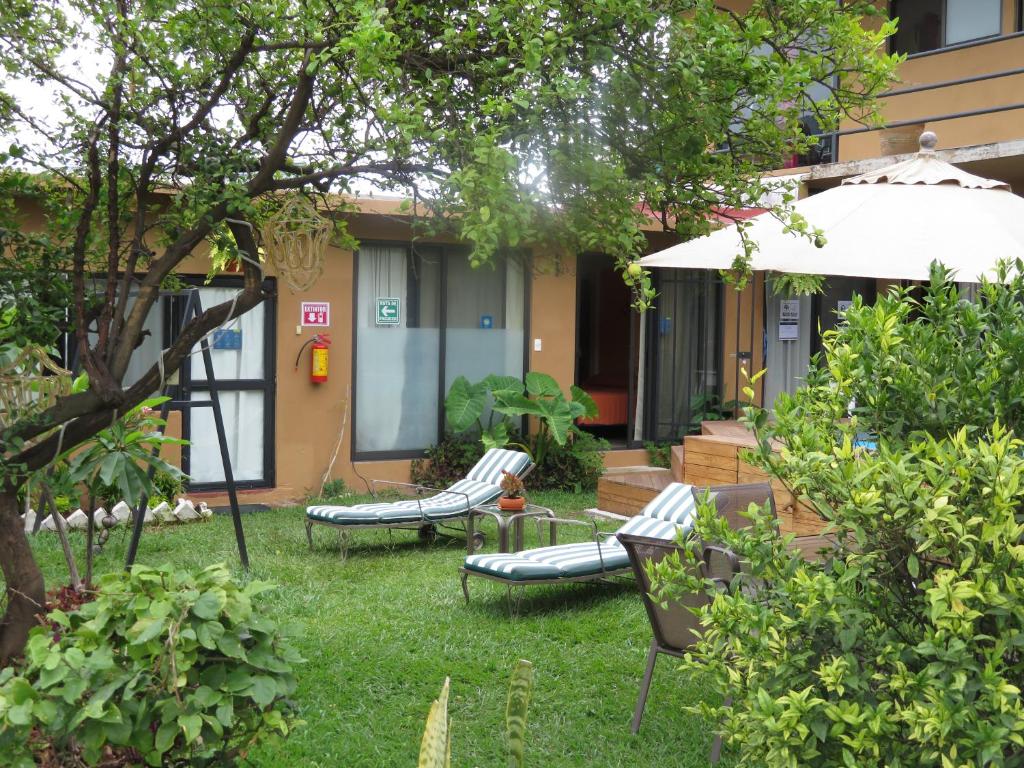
[(389, 311), (316, 313)]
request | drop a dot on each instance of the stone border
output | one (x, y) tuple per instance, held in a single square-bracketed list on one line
[(184, 512)]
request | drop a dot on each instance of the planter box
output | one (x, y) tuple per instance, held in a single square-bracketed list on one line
[(627, 490), (715, 460)]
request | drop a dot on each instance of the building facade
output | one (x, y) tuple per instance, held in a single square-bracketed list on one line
[(406, 316), (963, 78)]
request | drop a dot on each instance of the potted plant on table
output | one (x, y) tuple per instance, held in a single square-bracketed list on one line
[(512, 499)]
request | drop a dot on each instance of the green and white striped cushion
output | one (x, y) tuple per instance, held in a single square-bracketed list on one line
[(562, 561), (488, 469), (669, 512), (651, 528), (676, 503), (454, 502)]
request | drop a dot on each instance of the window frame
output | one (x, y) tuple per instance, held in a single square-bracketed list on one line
[(447, 250), (267, 385), (963, 43)]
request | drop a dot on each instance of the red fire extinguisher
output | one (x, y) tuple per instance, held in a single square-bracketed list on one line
[(318, 358)]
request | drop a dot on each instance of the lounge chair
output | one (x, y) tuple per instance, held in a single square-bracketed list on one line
[(453, 504), (671, 510)]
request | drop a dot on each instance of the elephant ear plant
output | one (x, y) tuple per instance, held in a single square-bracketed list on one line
[(904, 646), (537, 396)]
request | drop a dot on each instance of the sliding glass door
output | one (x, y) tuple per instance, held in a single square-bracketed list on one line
[(423, 317)]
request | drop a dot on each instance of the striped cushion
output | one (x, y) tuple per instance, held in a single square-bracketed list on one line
[(442, 506), (676, 503), (651, 528), (562, 561), (488, 469)]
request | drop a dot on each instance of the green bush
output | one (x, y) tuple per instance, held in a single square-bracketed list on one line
[(575, 466), (905, 647), (659, 454), (181, 670), (168, 487), (448, 461)]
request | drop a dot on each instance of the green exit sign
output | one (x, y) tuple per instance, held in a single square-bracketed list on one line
[(389, 311)]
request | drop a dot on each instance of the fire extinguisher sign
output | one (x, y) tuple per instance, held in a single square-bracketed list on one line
[(316, 314)]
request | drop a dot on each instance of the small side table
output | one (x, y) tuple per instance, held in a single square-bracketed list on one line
[(505, 519)]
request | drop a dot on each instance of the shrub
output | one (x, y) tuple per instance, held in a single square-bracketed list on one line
[(904, 647), (448, 461), (178, 669), (168, 487), (575, 466), (659, 454)]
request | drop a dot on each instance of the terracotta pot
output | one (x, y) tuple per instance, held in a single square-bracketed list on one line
[(511, 505)]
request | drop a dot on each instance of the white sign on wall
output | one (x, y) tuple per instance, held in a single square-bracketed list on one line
[(316, 313), (789, 319)]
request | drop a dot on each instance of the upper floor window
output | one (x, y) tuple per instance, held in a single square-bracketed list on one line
[(927, 25)]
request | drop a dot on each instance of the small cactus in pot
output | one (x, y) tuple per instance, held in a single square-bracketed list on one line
[(512, 488)]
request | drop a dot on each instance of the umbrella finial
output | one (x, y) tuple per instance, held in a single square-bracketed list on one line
[(928, 142)]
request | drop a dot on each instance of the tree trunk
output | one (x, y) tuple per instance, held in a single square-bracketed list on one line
[(26, 594)]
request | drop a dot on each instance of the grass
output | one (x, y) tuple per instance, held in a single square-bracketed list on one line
[(381, 630)]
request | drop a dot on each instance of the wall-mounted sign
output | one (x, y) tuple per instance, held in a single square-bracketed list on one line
[(486, 321), (389, 311), (227, 338), (789, 319), (316, 313)]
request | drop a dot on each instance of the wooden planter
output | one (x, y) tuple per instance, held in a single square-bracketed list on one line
[(715, 460)]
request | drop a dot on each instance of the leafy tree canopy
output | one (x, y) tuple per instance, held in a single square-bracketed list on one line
[(176, 122)]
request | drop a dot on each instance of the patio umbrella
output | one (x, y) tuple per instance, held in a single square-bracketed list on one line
[(890, 223)]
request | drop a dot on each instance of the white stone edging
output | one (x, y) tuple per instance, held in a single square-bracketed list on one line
[(185, 512)]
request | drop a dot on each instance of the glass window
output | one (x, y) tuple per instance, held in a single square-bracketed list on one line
[(411, 303), (397, 348), (927, 25), (971, 20), (244, 428), (686, 356), (236, 349), (484, 324)]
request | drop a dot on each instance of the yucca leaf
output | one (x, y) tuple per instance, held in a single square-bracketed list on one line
[(435, 749), (515, 712)]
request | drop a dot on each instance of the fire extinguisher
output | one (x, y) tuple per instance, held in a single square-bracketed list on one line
[(318, 357)]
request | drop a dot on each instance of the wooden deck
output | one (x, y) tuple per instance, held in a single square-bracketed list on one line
[(712, 458)]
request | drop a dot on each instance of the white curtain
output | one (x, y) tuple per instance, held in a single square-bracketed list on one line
[(243, 411), (484, 330), (396, 365), (244, 363), (243, 426), (787, 360)]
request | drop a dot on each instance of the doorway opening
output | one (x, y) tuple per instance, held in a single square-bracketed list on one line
[(606, 347)]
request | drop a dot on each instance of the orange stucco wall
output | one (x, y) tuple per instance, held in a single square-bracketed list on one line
[(310, 417)]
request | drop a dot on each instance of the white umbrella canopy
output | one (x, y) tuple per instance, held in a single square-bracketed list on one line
[(891, 223)]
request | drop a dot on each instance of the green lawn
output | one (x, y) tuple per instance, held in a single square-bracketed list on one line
[(381, 631)]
